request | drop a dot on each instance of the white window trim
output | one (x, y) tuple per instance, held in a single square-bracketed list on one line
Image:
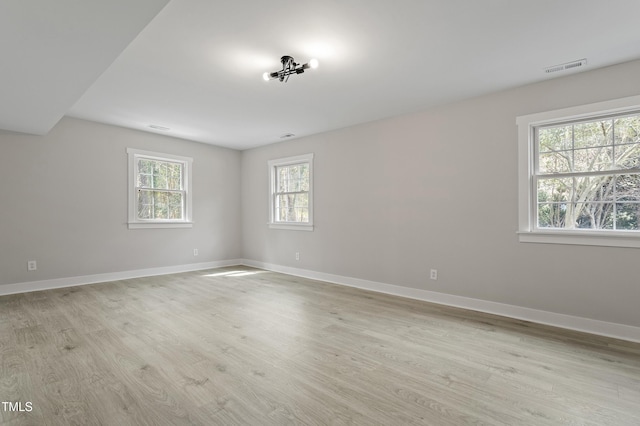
[(306, 158), (134, 222), (526, 145)]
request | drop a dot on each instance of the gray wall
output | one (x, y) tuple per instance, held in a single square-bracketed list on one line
[(63, 203), (438, 189), (393, 199)]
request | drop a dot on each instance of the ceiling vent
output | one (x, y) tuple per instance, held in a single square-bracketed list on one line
[(568, 66), (156, 127)]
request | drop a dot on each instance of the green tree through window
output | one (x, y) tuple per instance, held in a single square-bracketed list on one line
[(588, 174)]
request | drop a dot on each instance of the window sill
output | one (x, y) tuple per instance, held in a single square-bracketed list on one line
[(154, 225), (291, 226), (583, 238)]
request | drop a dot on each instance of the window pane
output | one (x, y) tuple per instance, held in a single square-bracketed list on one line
[(555, 189), (174, 176), (627, 215), (555, 138), (627, 156), (593, 159), (282, 175), (145, 166), (294, 178), (301, 200), (160, 205), (145, 181), (302, 214), (294, 184), (283, 208), (627, 130), (159, 175), (145, 204), (291, 178), (304, 177), (592, 134), (175, 206), (555, 162), (628, 188), (292, 207), (594, 188), (552, 215), (594, 215)]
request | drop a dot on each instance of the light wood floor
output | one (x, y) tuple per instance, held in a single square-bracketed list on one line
[(261, 348)]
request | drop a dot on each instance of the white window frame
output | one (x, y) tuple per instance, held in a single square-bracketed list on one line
[(136, 223), (288, 161), (527, 220)]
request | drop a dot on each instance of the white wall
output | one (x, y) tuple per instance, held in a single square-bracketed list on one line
[(438, 189), (63, 203)]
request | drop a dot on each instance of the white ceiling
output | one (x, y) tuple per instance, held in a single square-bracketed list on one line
[(196, 68), (51, 52)]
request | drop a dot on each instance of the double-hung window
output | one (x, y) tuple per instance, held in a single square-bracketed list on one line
[(159, 190), (580, 175), (291, 193)]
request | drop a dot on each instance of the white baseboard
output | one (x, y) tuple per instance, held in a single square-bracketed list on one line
[(110, 276), (587, 325)]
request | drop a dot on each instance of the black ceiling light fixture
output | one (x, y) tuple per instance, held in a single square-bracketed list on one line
[(289, 67)]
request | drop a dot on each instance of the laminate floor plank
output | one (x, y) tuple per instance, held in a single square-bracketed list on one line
[(375, 389), (151, 390), (14, 381), (242, 346), (454, 380)]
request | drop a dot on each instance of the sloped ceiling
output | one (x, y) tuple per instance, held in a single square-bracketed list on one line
[(51, 52)]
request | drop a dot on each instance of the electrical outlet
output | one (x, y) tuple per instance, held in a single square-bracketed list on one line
[(434, 274), (195, 252), (297, 256), (31, 265)]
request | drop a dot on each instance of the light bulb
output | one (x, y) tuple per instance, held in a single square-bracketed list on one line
[(313, 63), (265, 76)]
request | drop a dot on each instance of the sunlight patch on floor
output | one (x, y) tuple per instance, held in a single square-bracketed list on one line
[(233, 273)]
